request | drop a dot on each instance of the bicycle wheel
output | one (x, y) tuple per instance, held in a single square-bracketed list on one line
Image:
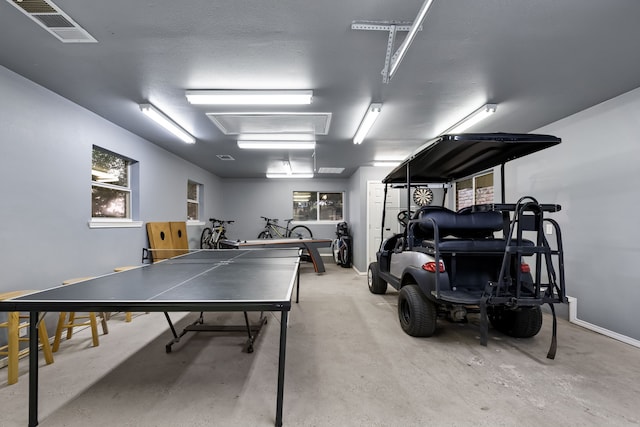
[(300, 232), (205, 239), (264, 235), (216, 243)]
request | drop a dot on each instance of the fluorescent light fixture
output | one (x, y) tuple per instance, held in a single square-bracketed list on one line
[(385, 164), (473, 118), (402, 50), (249, 97), (369, 119), (167, 123), (275, 141), (287, 175), (276, 137), (276, 145)]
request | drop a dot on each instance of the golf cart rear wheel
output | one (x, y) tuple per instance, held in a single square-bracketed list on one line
[(376, 284), (520, 323), (416, 313)]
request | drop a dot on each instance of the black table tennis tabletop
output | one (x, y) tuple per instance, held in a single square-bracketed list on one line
[(203, 280)]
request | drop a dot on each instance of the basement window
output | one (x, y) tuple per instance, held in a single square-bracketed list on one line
[(194, 191), (476, 190), (111, 189), (318, 206)]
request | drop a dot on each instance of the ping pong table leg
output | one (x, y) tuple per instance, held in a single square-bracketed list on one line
[(316, 259), (298, 284), (281, 360), (33, 368), (250, 337)]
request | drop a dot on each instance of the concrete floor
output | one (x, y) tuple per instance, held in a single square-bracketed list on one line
[(348, 364)]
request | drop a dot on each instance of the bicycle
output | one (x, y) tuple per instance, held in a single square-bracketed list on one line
[(211, 236), (340, 246), (273, 230)]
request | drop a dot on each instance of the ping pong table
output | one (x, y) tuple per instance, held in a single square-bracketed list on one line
[(205, 281)]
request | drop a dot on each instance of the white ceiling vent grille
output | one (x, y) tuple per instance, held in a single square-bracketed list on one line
[(262, 123), (54, 20)]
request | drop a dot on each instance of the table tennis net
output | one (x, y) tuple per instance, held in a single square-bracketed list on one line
[(217, 255)]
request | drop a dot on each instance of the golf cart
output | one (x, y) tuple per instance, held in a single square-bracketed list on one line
[(493, 259)]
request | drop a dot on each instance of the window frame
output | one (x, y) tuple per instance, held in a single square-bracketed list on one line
[(474, 187), (197, 202), (109, 222), (317, 220)]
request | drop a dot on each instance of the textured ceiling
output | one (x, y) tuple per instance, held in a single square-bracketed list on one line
[(538, 60)]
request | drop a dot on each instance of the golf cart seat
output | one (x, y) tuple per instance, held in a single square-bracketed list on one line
[(466, 231)]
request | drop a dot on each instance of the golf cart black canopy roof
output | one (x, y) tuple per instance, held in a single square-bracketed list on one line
[(451, 157)]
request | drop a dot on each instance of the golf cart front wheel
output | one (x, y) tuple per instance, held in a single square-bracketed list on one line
[(417, 314), (375, 282)]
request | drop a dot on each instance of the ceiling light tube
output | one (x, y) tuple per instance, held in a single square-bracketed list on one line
[(167, 123), (276, 145), (276, 137), (249, 97), (367, 122), (385, 164), (286, 175), (473, 118)]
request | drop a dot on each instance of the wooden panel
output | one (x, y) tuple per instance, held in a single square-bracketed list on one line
[(160, 240), (179, 237)]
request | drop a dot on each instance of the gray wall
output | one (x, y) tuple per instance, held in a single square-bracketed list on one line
[(595, 176), (358, 211), (246, 200), (45, 159)]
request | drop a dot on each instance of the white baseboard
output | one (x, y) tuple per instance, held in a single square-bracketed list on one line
[(573, 318), (358, 272)]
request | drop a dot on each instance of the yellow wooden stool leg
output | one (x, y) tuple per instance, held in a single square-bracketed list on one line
[(56, 340), (72, 319), (94, 329), (13, 341), (44, 340), (103, 321), (15, 323), (81, 320)]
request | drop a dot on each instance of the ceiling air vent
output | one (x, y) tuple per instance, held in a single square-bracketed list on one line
[(225, 157), (54, 20), (331, 170)]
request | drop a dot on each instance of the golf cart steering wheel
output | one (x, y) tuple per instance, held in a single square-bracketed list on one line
[(404, 217)]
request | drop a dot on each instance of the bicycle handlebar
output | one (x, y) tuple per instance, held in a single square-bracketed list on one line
[(220, 221), (275, 220)]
